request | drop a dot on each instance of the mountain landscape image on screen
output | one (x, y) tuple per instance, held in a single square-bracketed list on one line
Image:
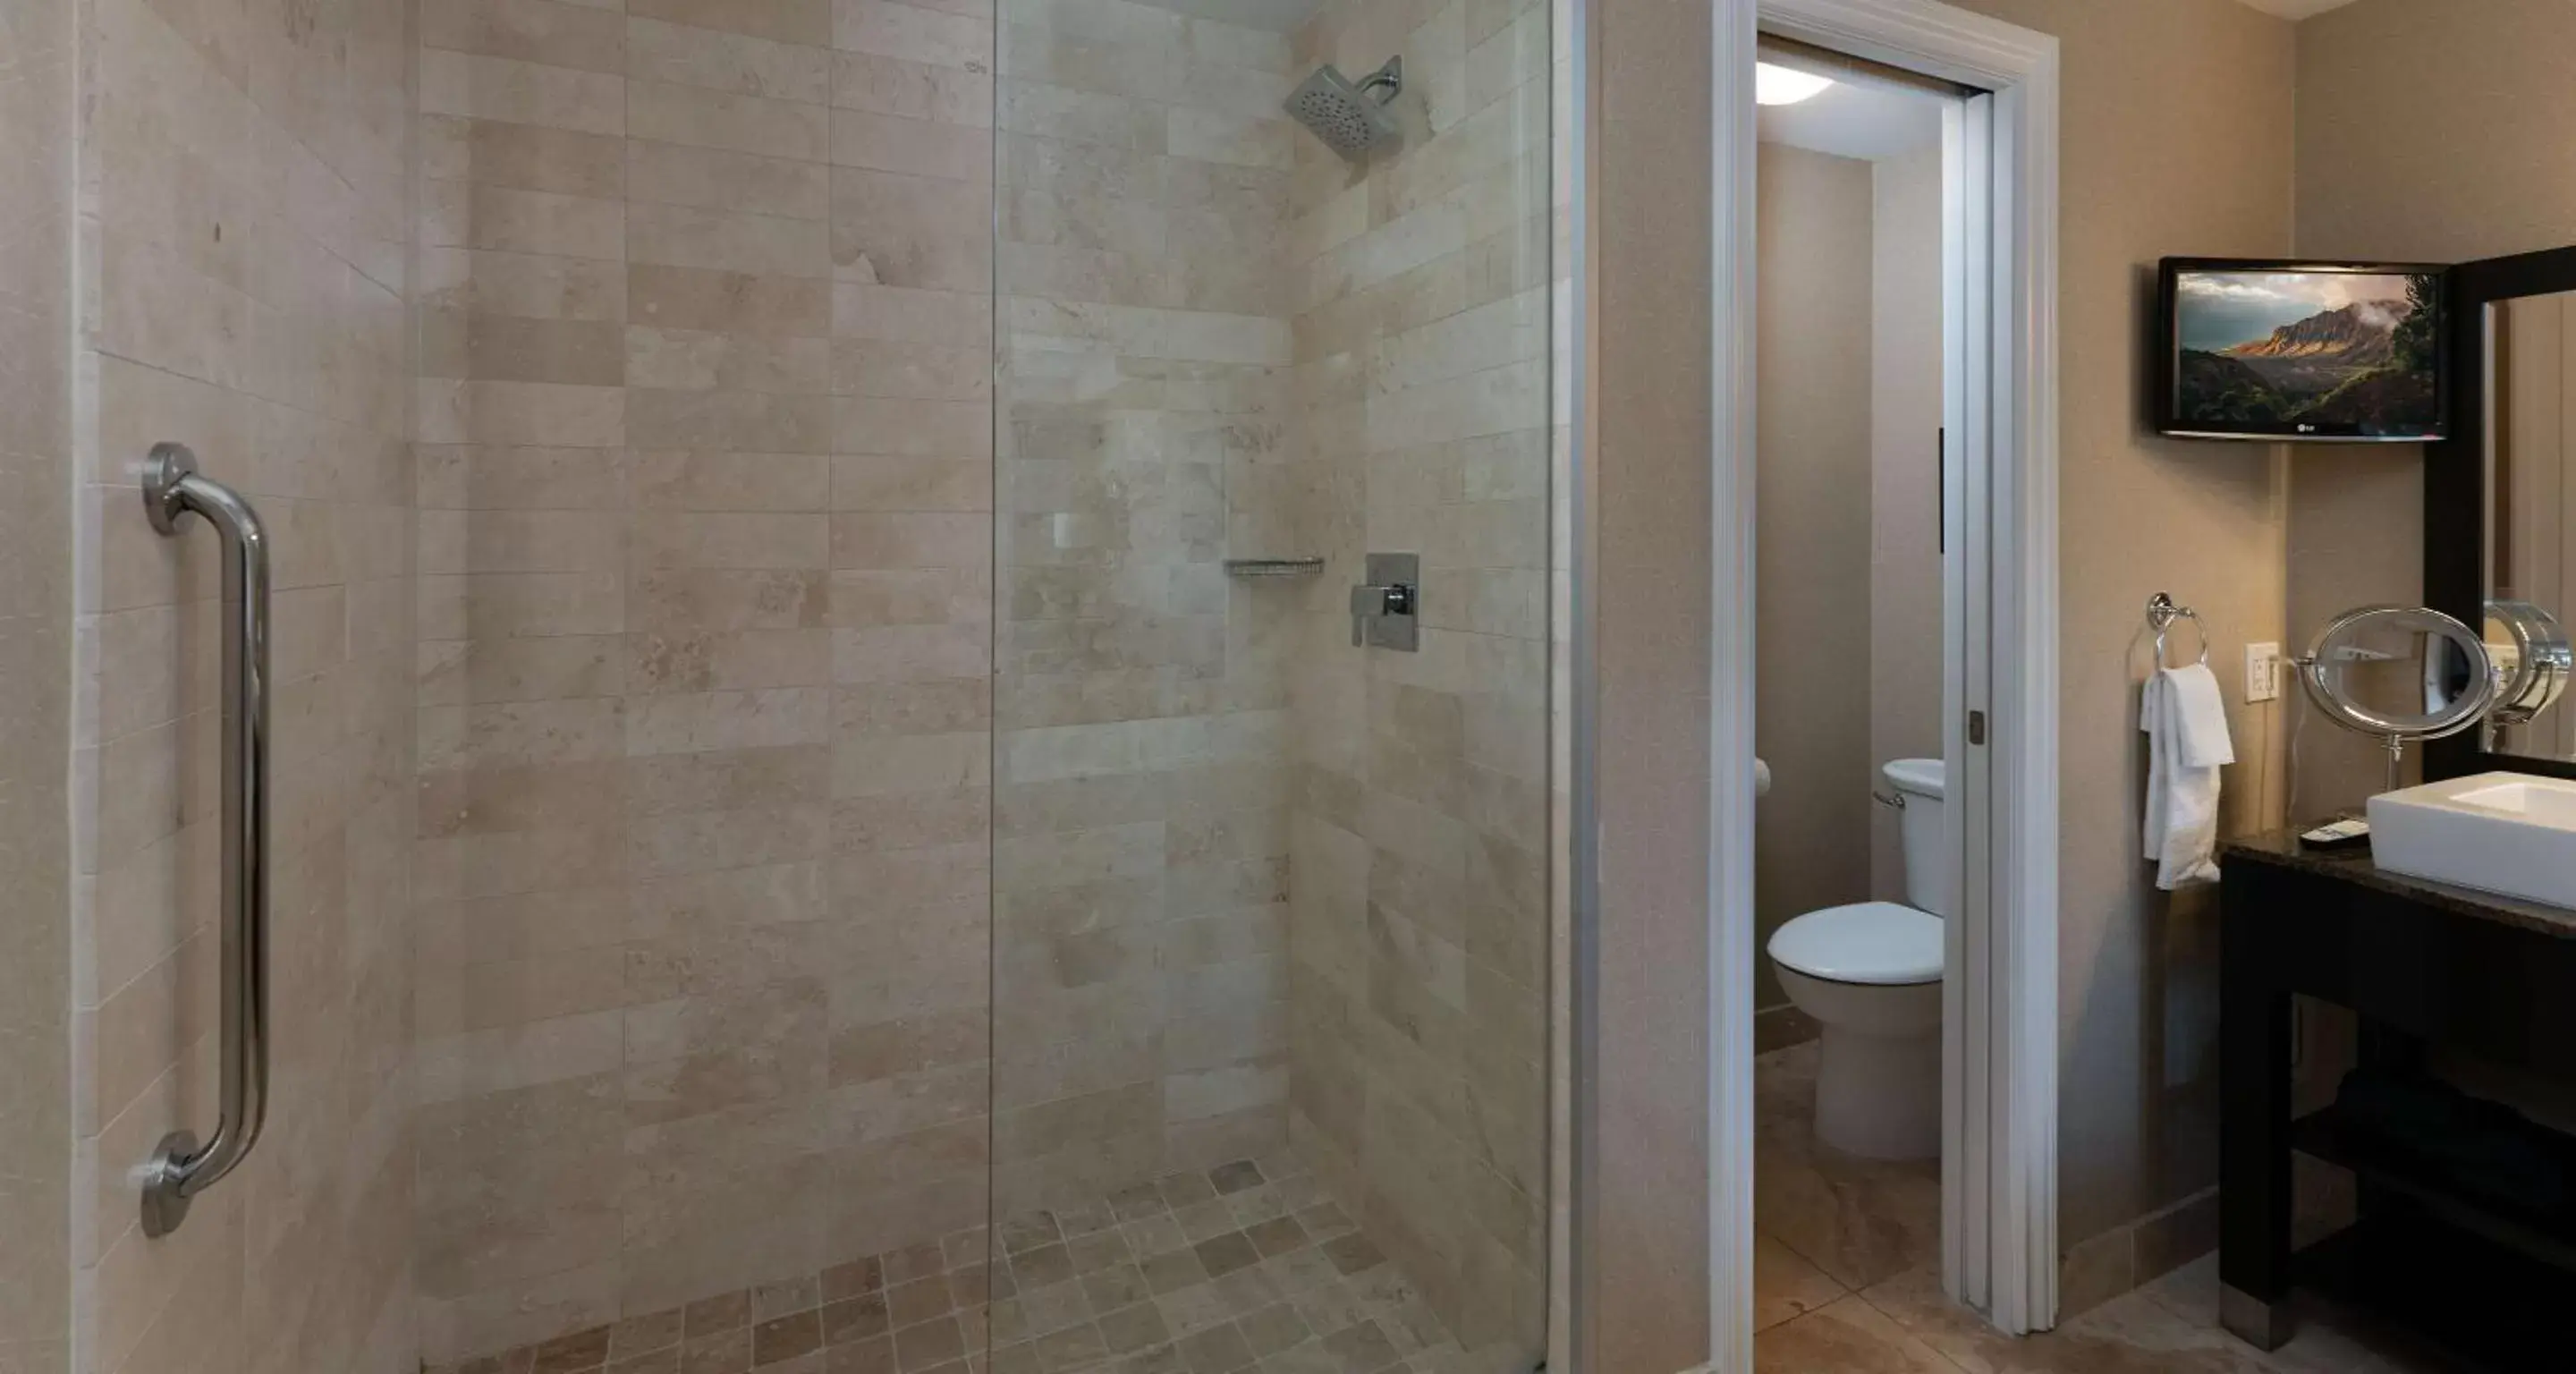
[(2345, 352)]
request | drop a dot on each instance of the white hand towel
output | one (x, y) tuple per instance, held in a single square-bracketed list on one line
[(2187, 742)]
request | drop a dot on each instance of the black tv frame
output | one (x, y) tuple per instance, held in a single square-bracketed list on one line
[(2168, 353)]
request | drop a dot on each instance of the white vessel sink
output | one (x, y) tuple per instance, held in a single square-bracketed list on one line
[(2508, 833)]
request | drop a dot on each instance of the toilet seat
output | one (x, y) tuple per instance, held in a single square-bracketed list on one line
[(1878, 944)]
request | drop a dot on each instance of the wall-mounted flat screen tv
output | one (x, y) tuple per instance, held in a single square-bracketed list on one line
[(2332, 352)]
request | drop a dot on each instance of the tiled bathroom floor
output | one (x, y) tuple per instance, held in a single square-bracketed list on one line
[(1245, 1269), (1846, 1280), (1856, 1221)]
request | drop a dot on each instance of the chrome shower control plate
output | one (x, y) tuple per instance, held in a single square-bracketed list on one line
[(1386, 610)]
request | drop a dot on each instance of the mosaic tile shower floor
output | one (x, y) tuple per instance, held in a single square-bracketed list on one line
[(1245, 1269)]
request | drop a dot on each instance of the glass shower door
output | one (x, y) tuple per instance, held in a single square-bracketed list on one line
[(1270, 904)]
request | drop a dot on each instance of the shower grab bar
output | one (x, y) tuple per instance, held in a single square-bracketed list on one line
[(181, 1167)]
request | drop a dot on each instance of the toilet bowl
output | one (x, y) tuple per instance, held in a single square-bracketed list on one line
[(1870, 974)]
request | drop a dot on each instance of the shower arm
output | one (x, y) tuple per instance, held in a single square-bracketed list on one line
[(1389, 78)]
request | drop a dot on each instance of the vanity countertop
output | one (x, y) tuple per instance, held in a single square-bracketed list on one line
[(2282, 849)]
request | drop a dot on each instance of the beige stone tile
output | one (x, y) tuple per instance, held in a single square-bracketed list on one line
[(730, 302), (912, 540), (693, 722), (742, 540), (903, 315), (705, 600), (697, 360), (1848, 1335), (456, 214), (538, 31), (911, 33), (1124, 120), (892, 484), (531, 286), (731, 481), (930, 706), (863, 138), (721, 119), (498, 88), (911, 428), (1786, 1286), (520, 670), (527, 157), (716, 179), (911, 231), (1235, 139), (715, 240), (785, 21), (460, 542), (925, 371), (687, 54), (494, 477), (913, 90), (762, 421), (486, 347), (503, 412)]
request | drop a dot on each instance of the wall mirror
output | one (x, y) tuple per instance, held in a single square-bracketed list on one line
[(2530, 562), (2500, 505)]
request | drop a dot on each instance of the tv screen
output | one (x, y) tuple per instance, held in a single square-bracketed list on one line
[(2285, 350)]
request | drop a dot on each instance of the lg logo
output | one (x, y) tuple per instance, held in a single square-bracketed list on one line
[(2307, 429)]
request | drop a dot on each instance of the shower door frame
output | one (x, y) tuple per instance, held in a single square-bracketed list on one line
[(2000, 1000)]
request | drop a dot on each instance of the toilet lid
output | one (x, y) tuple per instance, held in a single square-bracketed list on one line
[(1868, 942)]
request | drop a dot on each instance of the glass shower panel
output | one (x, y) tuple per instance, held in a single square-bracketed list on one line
[(705, 621), (1270, 909)]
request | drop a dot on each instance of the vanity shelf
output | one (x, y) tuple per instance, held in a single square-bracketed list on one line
[(2549, 1238)]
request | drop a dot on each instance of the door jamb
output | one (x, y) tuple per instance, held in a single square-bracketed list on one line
[(2000, 1045)]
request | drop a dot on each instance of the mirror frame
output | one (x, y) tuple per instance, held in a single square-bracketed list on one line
[(2455, 486)]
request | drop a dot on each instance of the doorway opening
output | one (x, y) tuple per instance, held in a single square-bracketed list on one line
[(1822, 1150), (1853, 853)]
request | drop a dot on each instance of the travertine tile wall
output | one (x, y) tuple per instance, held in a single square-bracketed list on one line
[(1141, 875), (1419, 875), (244, 187), (36, 158), (705, 545)]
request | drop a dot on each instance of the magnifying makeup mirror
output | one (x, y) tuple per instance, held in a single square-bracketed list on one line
[(2533, 660), (2399, 673)]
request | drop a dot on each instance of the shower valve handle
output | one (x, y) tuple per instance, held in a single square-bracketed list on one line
[(1378, 601)]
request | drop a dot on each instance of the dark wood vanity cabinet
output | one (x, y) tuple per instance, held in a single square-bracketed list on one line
[(2424, 965)]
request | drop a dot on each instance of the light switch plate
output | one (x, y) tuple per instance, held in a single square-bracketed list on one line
[(2262, 672)]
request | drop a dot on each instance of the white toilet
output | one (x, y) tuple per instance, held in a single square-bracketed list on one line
[(1870, 974)]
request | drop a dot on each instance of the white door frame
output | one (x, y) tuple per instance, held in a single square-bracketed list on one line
[(2000, 1040)]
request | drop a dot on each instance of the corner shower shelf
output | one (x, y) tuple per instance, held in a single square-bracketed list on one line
[(1273, 567)]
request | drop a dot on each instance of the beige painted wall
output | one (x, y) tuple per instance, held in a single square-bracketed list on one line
[(1644, 538), (2157, 155), (2428, 131), (1905, 624), (2175, 139), (1813, 484), (36, 133)]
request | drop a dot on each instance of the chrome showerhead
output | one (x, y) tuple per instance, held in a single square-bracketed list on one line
[(1351, 118)]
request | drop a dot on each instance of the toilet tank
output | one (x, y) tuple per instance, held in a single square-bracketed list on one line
[(1927, 867)]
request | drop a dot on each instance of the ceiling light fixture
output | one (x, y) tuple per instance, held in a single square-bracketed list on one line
[(1776, 85)]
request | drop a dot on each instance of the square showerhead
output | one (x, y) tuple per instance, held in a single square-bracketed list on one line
[(1350, 117)]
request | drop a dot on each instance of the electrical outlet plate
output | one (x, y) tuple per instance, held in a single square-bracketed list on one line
[(2262, 672)]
